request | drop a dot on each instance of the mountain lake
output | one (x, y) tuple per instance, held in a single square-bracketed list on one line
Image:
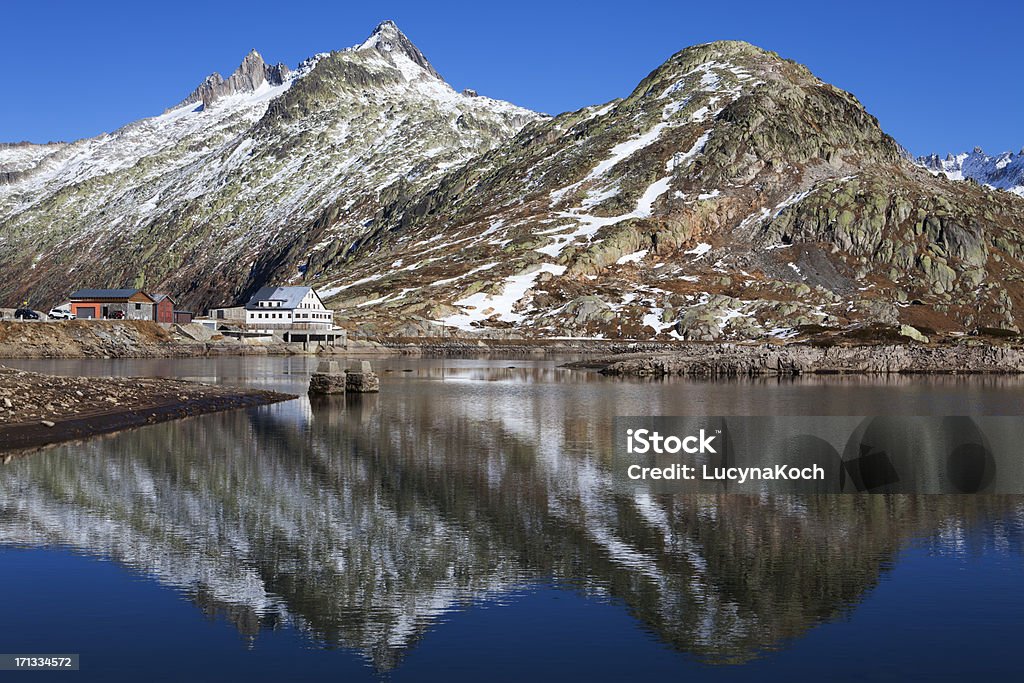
[(462, 525)]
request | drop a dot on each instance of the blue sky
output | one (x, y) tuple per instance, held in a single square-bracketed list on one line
[(940, 76)]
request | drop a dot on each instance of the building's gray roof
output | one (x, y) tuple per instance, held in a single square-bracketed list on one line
[(290, 297), (157, 298), (104, 293)]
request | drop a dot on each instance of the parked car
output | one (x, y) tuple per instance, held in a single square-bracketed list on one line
[(116, 315), (26, 314), (58, 313)]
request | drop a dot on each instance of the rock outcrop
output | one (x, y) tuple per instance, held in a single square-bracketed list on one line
[(733, 360), (388, 40), (252, 73)]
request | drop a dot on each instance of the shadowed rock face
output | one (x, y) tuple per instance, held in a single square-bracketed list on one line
[(362, 524)]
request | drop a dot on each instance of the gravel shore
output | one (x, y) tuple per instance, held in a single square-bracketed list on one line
[(38, 409)]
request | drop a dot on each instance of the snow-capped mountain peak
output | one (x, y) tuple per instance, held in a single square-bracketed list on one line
[(389, 40), (1004, 171)]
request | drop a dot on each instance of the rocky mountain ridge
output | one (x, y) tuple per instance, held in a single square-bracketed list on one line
[(731, 195), (252, 73), (199, 200)]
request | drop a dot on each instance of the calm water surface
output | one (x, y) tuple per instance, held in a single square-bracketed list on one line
[(462, 525)]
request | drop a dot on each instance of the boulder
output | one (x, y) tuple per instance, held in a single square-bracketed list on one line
[(913, 333)]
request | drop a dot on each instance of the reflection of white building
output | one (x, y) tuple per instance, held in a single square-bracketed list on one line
[(295, 308)]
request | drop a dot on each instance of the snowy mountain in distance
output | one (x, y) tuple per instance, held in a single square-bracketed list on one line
[(202, 199), (1004, 172)]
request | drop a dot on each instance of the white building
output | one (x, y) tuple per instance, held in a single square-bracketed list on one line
[(293, 308)]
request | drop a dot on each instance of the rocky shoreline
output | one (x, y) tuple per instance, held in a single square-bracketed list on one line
[(141, 339), (872, 353), (38, 410), (138, 339), (750, 360)]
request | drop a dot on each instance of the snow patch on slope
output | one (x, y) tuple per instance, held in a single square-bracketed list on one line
[(481, 306)]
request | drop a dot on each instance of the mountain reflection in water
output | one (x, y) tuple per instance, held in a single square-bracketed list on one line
[(362, 520)]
